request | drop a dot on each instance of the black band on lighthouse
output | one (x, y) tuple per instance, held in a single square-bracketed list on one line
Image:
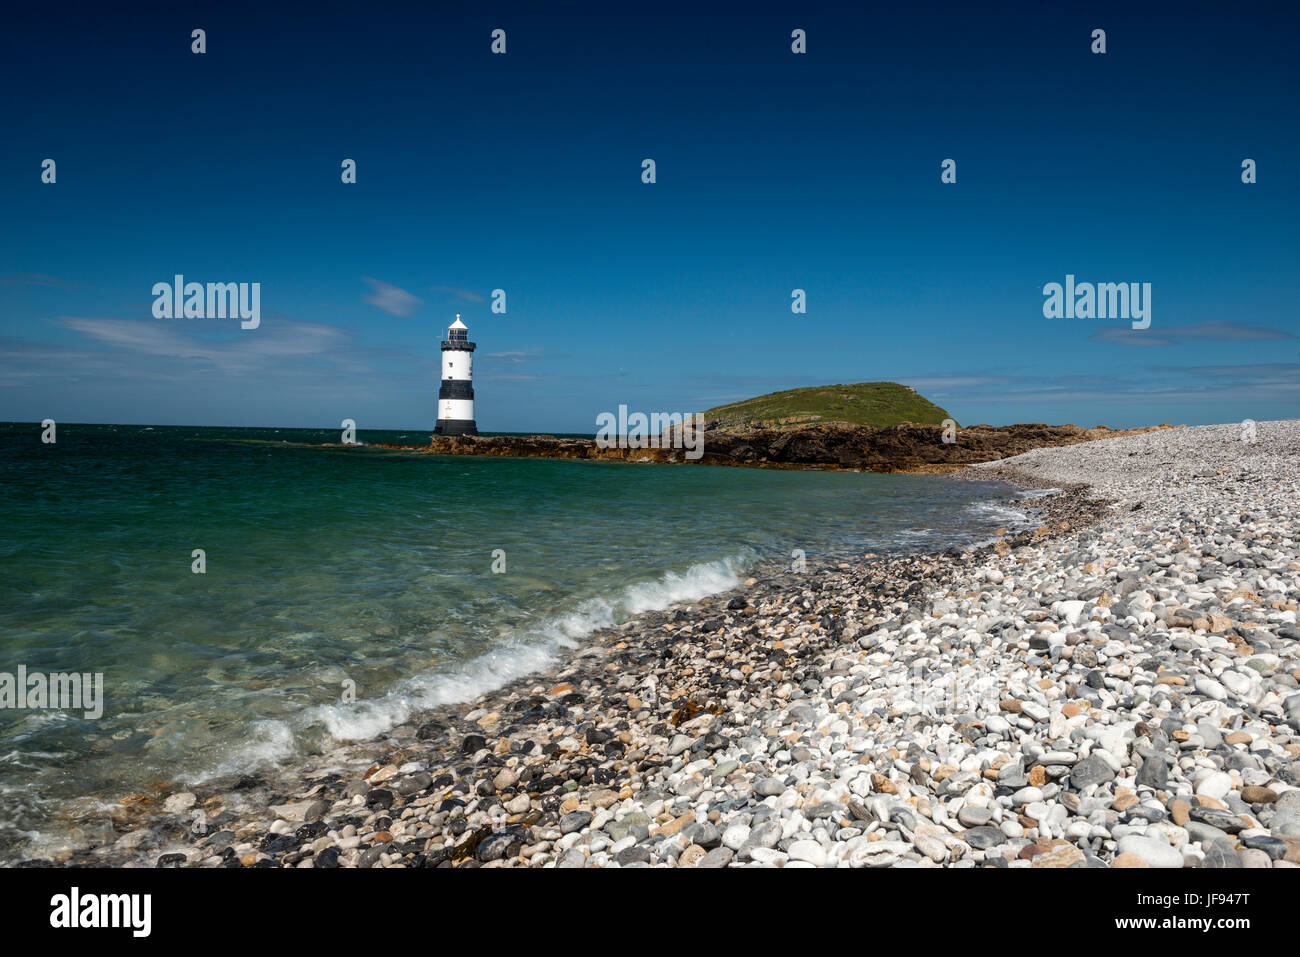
[(456, 389), (455, 427)]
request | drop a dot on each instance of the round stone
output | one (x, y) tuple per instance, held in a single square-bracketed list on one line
[(809, 851), (1156, 853), (1216, 785), (983, 838)]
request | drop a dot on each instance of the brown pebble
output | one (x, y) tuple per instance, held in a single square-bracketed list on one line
[(1061, 856), (675, 825), (691, 856), (1180, 811), (1124, 800), (1254, 794)]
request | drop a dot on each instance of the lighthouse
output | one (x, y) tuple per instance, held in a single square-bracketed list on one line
[(456, 397)]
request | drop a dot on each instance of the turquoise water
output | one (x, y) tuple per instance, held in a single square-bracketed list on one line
[(329, 566)]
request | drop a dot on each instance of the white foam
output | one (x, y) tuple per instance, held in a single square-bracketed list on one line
[(275, 741), (1036, 492), (698, 581), (1001, 514), (906, 534), (32, 760), (271, 742)]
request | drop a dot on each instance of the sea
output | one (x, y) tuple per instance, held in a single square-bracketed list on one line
[(251, 597)]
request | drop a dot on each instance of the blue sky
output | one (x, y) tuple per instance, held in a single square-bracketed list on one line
[(775, 171)]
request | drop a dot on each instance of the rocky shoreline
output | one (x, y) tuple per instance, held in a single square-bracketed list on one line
[(1117, 688), (896, 448)]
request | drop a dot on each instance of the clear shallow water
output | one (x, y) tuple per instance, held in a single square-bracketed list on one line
[(334, 565)]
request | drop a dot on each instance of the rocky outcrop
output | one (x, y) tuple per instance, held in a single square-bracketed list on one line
[(897, 448)]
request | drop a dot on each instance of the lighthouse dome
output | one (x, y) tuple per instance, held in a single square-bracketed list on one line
[(458, 332)]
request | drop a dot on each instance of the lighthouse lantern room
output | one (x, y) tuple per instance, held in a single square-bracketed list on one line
[(456, 396)]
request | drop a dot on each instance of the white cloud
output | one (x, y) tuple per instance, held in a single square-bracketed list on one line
[(464, 294), (391, 299), (231, 350)]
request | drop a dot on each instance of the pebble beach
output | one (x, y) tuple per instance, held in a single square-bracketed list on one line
[(1117, 687)]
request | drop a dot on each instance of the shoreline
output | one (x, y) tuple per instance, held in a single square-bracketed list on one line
[(905, 448), (772, 725)]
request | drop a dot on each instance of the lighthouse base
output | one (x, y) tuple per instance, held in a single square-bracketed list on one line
[(455, 427)]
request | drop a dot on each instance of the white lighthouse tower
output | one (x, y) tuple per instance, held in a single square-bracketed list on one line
[(456, 397)]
